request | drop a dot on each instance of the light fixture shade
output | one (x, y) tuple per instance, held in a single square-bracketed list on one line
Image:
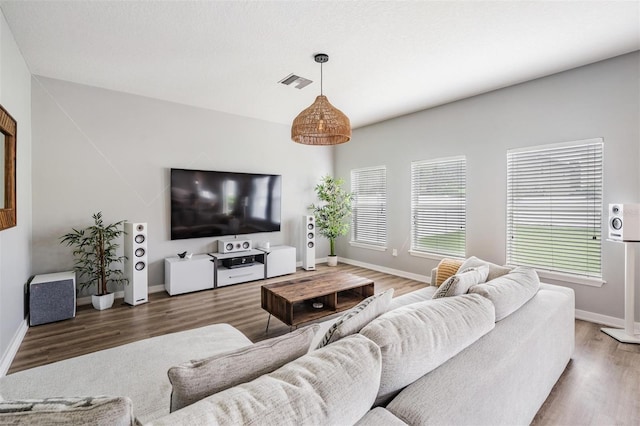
[(321, 124)]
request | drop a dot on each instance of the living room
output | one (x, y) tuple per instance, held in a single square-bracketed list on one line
[(84, 146)]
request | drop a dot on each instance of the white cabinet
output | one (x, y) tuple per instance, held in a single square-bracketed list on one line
[(228, 276), (281, 260), (205, 271), (242, 272), (186, 275)]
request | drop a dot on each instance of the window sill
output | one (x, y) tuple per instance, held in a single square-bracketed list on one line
[(367, 246), (570, 278)]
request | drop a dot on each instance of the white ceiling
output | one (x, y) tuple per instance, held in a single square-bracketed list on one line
[(387, 58)]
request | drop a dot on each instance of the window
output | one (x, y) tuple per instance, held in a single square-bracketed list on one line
[(554, 207), (438, 208), (369, 206)]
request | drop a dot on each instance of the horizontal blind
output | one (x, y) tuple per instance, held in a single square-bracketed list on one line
[(369, 208), (554, 207), (438, 206)]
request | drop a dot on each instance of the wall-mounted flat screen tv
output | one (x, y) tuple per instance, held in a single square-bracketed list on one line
[(213, 204)]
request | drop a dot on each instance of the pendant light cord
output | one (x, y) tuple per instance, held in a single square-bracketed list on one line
[(320, 78)]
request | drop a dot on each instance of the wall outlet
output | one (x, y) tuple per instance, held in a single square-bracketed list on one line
[(394, 252)]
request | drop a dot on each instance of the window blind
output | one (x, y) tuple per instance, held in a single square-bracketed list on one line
[(554, 207), (438, 206), (369, 206)]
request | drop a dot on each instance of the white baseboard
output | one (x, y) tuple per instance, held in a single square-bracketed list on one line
[(12, 350), (603, 319), (118, 295), (397, 272)]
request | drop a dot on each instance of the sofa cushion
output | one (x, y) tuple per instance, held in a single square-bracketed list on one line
[(417, 338), (380, 416), (445, 269), (461, 282), (420, 295), (95, 410), (495, 271), (509, 292), (335, 385), (357, 317), (194, 380)]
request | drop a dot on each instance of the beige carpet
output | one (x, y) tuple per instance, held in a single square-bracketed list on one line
[(137, 370)]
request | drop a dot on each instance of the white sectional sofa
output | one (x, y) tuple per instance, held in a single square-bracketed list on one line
[(505, 376), (441, 361)]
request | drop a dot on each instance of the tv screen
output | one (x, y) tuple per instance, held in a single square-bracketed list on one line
[(212, 204)]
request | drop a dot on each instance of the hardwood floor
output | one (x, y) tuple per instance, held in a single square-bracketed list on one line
[(601, 385), (238, 305)]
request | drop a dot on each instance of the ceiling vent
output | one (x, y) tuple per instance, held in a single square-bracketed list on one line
[(300, 82)]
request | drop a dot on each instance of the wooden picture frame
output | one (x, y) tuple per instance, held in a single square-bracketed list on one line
[(8, 127)]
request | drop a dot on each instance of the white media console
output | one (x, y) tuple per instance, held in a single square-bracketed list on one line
[(206, 271)]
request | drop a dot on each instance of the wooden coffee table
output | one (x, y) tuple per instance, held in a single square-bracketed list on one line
[(292, 301)]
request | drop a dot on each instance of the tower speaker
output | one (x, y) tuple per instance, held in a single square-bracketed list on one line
[(624, 222), (135, 266), (309, 243)]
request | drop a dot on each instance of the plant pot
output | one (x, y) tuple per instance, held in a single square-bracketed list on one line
[(102, 302), (332, 260)]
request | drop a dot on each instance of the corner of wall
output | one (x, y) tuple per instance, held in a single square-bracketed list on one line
[(15, 243)]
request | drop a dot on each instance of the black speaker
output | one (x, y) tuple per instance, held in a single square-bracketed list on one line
[(52, 297)]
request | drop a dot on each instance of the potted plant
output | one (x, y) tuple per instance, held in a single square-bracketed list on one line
[(95, 252), (332, 212)]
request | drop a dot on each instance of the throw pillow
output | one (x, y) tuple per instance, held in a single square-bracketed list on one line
[(195, 380), (335, 385), (358, 316), (94, 410), (461, 283), (509, 292), (495, 271), (417, 338), (446, 268)]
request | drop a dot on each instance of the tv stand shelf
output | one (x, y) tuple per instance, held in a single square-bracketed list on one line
[(206, 271), (224, 276)]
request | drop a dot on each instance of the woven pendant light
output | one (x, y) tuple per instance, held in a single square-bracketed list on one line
[(321, 123)]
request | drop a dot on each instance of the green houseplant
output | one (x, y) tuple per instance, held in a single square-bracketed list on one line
[(95, 251), (332, 212)]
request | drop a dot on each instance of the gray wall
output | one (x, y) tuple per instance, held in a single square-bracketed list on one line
[(95, 149), (598, 100), (15, 254)]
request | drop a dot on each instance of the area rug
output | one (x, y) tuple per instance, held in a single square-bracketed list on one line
[(137, 370)]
